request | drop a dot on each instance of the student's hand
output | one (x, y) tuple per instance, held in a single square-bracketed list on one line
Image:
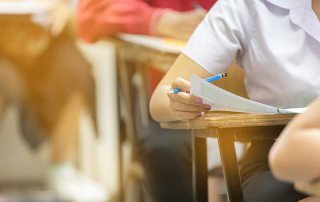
[(310, 199), (183, 105), (310, 188), (179, 25)]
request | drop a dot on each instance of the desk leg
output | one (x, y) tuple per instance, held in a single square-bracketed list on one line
[(230, 167), (199, 168)]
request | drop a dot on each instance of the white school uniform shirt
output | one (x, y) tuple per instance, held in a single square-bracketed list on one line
[(277, 42)]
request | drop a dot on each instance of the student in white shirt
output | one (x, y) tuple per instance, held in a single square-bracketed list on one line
[(278, 45), (295, 155)]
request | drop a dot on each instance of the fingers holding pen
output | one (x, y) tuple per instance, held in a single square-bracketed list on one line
[(183, 116), (182, 84), (185, 98), (184, 105), (178, 106)]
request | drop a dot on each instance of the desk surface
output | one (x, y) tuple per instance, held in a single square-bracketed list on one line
[(231, 120), (160, 44), (146, 56)]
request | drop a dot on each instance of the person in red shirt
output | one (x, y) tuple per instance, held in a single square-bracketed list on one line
[(164, 154), (175, 19), (170, 18)]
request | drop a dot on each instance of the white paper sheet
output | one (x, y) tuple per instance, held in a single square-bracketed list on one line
[(222, 100), (158, 43)]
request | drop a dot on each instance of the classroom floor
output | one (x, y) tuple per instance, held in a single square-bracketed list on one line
[(22, 170), (30, 193), (25, 192)]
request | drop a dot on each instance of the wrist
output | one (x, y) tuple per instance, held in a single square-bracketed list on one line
[(161, 21)]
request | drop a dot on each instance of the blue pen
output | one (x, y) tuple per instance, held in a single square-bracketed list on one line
[(210, 79)]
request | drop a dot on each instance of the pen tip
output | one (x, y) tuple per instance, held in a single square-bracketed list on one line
[(225, 74)]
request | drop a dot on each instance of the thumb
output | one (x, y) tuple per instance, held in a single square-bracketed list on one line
[(182, 84)]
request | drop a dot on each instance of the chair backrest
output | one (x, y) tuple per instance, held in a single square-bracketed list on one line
[(234, 82)]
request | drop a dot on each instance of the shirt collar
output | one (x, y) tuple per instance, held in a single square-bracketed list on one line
[(291, 4), (301, 14)]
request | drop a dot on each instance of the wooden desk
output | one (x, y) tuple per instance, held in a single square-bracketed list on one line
[(134, 60), (228, 128)]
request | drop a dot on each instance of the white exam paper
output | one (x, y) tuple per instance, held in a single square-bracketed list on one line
[(222, 100)]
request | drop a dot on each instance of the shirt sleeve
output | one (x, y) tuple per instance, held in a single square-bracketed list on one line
[(222, 36), (101, 18)]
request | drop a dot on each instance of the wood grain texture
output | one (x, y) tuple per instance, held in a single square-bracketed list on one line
[(147, 56), (231, 120)]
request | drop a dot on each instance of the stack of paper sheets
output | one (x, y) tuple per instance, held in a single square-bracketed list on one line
[(222, 100)]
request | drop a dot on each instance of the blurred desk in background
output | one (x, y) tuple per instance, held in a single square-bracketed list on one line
[(128, 56), (228, 128), (104, 153), (151, 51), (166, 45), (136, 55)]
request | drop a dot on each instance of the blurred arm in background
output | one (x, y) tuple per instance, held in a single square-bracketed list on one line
[(100, 18)]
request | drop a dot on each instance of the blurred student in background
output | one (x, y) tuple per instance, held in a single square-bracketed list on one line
[(295, 155), (165, 154), (46, 78)]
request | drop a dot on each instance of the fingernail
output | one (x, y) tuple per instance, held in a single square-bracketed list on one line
[(199, 115), (198, 100), (207, 107)]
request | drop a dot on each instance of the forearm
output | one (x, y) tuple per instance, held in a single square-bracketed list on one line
[(295, 155), (160, 108), (160, 105), (100, 18), (296, 158), (311, 199)]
